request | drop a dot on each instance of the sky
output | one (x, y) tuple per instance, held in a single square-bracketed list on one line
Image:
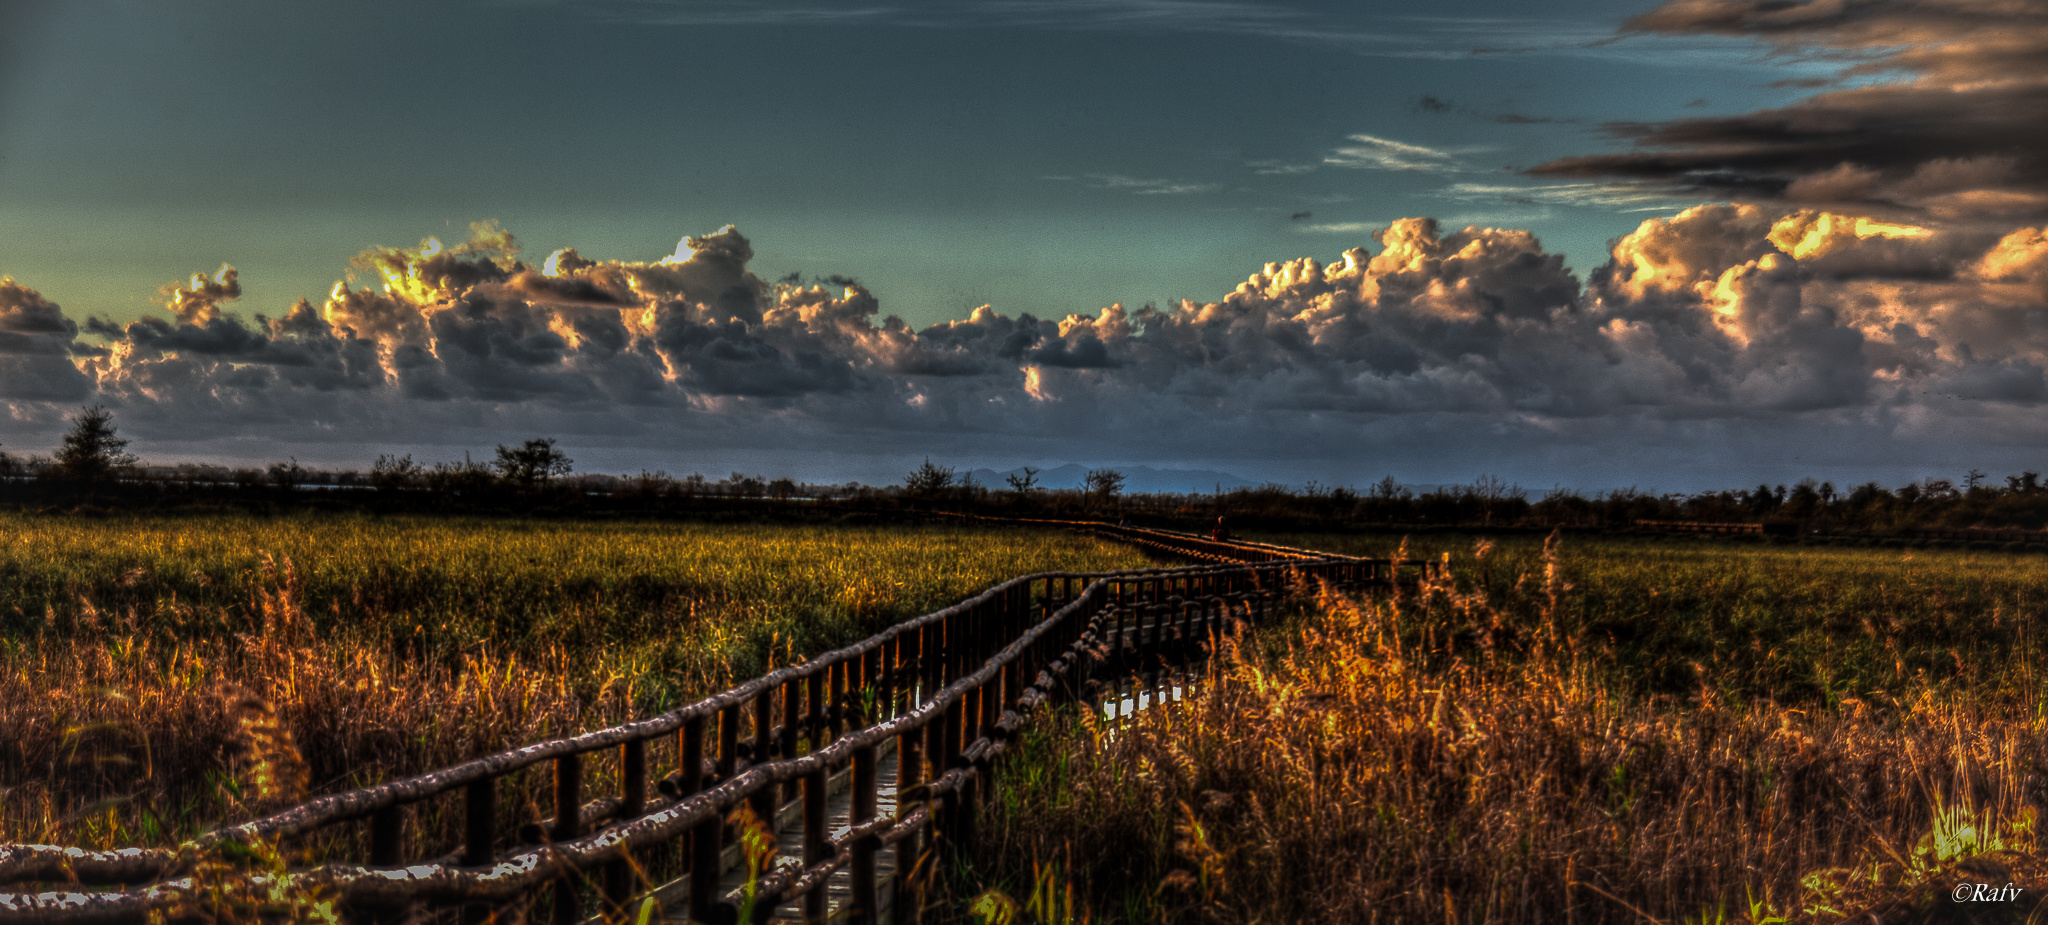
[(1696, 244)]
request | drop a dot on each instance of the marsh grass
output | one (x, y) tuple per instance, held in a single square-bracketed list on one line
[(160, 676), (1488, 748)]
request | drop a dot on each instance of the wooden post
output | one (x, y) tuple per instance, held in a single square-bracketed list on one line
[(763, 799), (619, 886), (814, 697), (480, 829), (864, 682), (1014, 681), (970, 718), (709, 835), (387, 829), (728, 742), (992, 701), (568, 805), (890, 658), (792, 715), (480, 821), (963, 802), (949, 649), (838, 686), (764, 722), (864, 910), (909, 774), (927, 662), (939, 752), (815, 820)]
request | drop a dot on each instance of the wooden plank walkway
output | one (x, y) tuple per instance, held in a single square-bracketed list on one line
[(790, 847)]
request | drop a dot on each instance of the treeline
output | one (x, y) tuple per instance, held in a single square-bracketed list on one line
[(2018, 502), (93, 468)]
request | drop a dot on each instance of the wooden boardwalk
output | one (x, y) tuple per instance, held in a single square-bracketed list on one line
[(790, 850), (1112, 640), (790, 841)]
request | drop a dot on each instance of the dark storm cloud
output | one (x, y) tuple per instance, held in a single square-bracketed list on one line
[(35, 345), (1957, 138)]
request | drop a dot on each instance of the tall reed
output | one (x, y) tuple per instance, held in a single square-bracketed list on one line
[(154, 650), (1444, 756)]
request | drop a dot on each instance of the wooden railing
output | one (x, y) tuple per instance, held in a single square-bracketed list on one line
[(946, 692)]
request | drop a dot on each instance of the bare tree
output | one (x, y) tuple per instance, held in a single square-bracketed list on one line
[(1104, 483), (1023, 483)]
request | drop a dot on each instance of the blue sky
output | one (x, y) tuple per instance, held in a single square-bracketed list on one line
[(1042, 157), (1038, 161)]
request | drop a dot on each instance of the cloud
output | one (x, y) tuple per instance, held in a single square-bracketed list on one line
[(198, 300), (1616, 196), (1721, 322), (1278, 168), (1370, 152), (1145, 187), (1934, 119), (36, 340), (1340, 227)]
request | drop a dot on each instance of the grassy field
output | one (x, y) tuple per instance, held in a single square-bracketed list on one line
[(147, 663), (1613, 730)]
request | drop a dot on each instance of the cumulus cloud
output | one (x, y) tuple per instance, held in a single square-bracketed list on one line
[(198, 301), (1956, 139), (1752, 316)]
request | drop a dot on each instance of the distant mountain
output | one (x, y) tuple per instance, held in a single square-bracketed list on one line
[(1137, 479)]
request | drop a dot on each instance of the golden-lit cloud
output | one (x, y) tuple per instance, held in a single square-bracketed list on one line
[(1734, 313), (1807, 233), (197, 301)]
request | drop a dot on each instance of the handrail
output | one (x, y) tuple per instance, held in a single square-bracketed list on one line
[(938, 668)]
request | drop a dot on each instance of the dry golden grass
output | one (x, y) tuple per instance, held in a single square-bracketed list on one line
[(244, 680), (125, 739), (1365, 767)]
